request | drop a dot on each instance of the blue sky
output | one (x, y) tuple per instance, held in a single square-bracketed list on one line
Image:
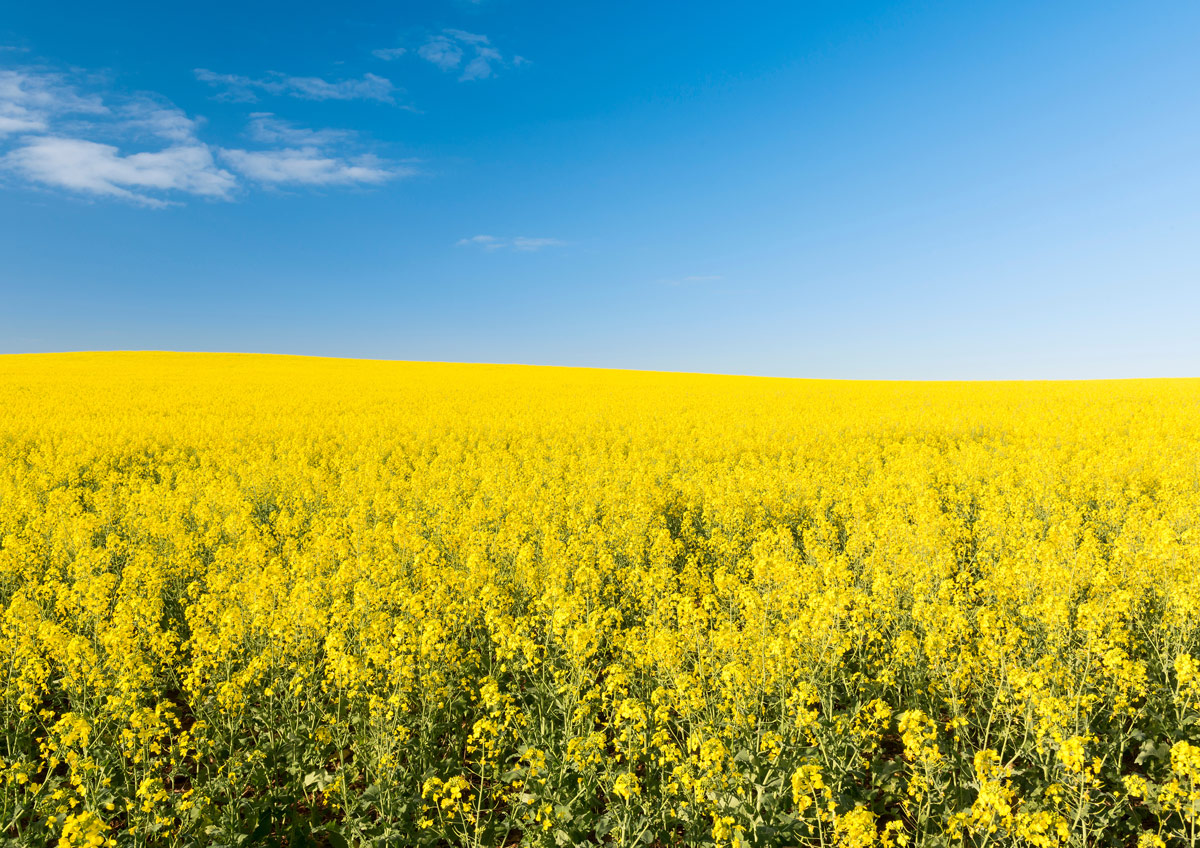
[(834, 189)]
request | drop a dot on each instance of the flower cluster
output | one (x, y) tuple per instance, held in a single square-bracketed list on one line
[(249, 600)]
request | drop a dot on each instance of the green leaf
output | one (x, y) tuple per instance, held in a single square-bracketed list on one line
[(335, 839)]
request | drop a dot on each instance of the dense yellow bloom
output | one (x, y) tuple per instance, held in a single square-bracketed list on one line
[(424, 604), (855, 829), (84, 830)]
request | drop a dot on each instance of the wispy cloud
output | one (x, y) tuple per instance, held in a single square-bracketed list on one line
[(481, 67), (101, 169), (441, 51), (266, 128), (455, 49), (310, 157), (529, 244), (524, 244), (244, 89), (20, 122), (147, 117), (63, 137), (466, 37), (486, 242), (389, 54), (31, 99), (55, 132), (310, 167)]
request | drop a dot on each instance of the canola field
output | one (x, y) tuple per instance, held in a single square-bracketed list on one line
[(250, 600)]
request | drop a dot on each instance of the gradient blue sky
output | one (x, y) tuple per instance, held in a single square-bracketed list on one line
[(834, 189)]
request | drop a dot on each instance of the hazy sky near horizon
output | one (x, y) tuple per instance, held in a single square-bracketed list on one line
[(830, 189)]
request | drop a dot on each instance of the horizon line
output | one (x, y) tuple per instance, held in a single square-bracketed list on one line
[(163, 351)]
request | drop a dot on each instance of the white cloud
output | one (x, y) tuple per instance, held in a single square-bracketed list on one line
[(529, 244), (46, 91), (100, 169), (268, 129), (237, 88), (54, 134), (309, 166), (447, 49), (524, 244), (10, 124), (245, 89), (370, 87), (442, 52), (486, 242), (387, 54), (157, 120), (466, 37), (44, 115), (308, 157), (481, 66), (30, 99)]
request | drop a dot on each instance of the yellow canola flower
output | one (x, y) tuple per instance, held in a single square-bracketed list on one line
[(473, 604), (84, 830)]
